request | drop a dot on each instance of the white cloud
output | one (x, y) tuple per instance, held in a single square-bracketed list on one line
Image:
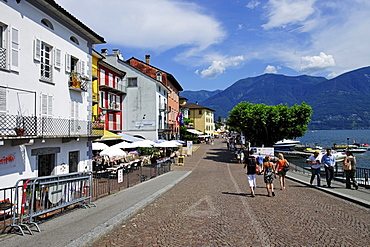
[(272, 69), (218, 67), (285, 12), (252, 4), (240, 27), (316, 64), (158, 25)]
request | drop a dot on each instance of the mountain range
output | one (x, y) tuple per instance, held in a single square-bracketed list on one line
[(339, 103)]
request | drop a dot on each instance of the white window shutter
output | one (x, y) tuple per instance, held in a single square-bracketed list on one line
[(37, 50), (44, 104), (50, 105), (72, 109), (15, 50), (58, 58), (77, 112), (2, 100), (83, 69), (79, 66), (68, 63)]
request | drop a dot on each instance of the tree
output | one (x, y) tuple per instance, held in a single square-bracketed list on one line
[(265, 125)]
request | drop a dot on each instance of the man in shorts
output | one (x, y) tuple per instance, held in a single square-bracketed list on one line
[(250, 164)]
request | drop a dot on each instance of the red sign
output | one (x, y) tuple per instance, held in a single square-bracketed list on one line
[(7, 159)]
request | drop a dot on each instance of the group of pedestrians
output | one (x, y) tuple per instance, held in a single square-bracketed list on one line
[(270, 172), (328, 161)]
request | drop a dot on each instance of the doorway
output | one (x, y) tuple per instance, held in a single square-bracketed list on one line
[(46, 164), (73, 161)]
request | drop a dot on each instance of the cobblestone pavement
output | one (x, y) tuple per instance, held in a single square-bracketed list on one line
[(212, 207)]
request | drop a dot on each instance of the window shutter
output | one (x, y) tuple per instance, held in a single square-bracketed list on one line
[(50, 105), (83, 68), (2, 100), (58, 58), (68, 63), (37, 50), (102, 77), (77, 112), (44, 104), (15, 50), (72, 109)]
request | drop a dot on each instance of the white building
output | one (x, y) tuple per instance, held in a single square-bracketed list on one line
[(144, 107), (45, 91)]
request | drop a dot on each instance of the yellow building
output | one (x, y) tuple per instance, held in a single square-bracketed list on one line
[(97, 122), (202, 116)]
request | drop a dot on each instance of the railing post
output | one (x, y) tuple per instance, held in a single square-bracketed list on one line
[(366, 179)]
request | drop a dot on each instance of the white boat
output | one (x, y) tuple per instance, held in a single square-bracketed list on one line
[(286, 144)]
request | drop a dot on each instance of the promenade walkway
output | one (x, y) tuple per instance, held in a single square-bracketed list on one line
[(206, 202)]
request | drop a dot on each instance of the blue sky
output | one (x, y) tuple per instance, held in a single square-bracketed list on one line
[(210, 44)]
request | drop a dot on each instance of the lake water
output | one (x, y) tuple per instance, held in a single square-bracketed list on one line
[(326, 138)]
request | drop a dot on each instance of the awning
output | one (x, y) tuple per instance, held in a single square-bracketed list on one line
[(109, 136), (129, 138), (196, 132)]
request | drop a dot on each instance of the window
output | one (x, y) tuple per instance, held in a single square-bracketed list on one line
[(73, 161), (9, 48), (200, 112), (159, 76), (102, 77), (102, 99), (73, 64), (47, 23), (110, 80), (45, 62), (74, 40), (132, 81)]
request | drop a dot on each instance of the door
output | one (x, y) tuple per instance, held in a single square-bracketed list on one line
[(73, 161), (46, 164)]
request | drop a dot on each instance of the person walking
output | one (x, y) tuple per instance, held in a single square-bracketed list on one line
[(269, 173), (282, 167), (349, 167), (242, 156), (251, 172), (315, 167), (328, 160), (260, 162)]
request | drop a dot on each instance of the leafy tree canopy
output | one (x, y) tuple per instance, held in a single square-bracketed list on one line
[(265, 125)]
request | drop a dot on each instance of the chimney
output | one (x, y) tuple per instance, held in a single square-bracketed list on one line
[(104, 52), (147, 59), (117, 52), (196, 102)]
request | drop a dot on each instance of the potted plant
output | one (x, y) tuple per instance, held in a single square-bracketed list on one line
[(19, 129)]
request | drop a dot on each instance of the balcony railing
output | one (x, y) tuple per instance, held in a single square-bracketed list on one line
[(162, 107), (78, 81), (30, 126), (2, 58)]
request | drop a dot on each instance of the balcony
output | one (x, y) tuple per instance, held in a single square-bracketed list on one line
[(78, 82), (97, 125), (162, 107), (13, 126), (119, 89), (2, 58)]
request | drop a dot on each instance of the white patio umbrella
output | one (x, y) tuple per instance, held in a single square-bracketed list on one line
[(112, 152), (99, 146), (123, 145), (143, 144)]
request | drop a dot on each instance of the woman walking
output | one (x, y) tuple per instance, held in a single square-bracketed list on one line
[(349, 168), (282, 167), (269, 172)]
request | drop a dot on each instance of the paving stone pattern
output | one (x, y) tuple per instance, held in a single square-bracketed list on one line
[(213, 207)]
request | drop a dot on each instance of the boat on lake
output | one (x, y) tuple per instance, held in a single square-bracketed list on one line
[(286, 143), (352, 148)]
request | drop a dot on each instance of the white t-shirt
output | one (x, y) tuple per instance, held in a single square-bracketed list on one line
[(313, 159)]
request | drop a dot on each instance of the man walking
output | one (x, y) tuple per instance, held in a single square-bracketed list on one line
[(315, 167), (328, 160), (251, 172)]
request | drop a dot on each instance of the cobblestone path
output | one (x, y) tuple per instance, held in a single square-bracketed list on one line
[(212, 207)]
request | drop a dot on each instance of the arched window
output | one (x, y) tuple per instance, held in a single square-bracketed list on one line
[(47, 23), (159, 76), (74, 40)]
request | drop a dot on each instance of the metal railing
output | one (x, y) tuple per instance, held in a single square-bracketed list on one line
[(32, 199), (42, 195), (2, 58), (362, 174), (78, 81), (13, 125)]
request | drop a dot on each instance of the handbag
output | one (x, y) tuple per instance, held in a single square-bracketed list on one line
[(347, 165), (286, 167)]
